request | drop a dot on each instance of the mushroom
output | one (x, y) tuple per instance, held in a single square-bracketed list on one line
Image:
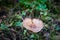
[(34, 25)]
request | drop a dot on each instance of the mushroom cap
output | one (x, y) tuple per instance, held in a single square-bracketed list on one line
[(35, 25)]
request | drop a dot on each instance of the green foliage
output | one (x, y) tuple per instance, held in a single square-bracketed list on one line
[(23, 13), (32, 36), (41, 7), (3, 27), (25, 31), (18, 23), (37, 4), (19, 16), (57, 28)]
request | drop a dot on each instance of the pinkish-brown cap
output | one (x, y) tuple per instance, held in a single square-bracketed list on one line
[(34, 25)]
